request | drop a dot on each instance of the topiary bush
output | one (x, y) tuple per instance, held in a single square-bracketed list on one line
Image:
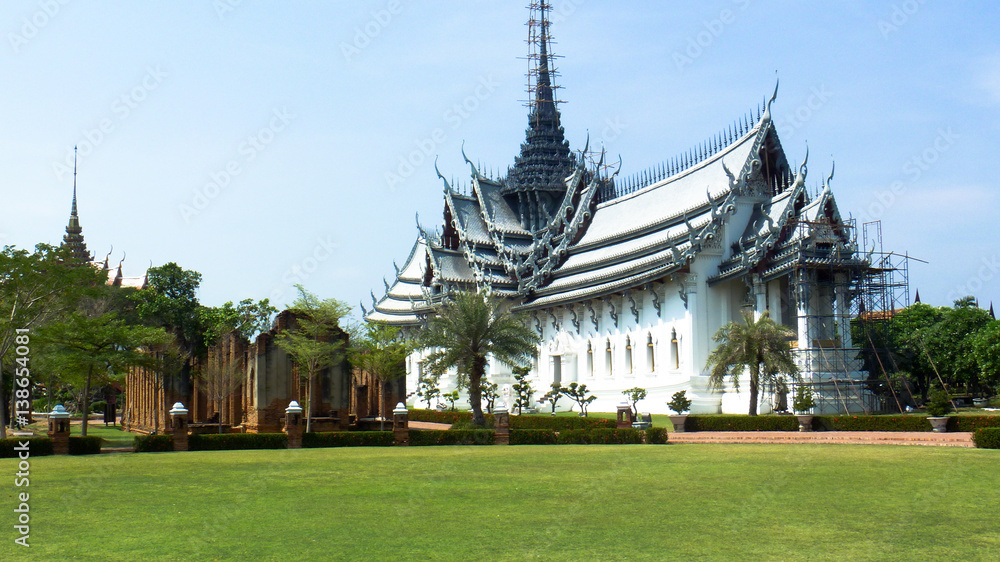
[(987, 438), (37, 447), (348, 439), (614, 436), (741, 423), (84, 445), (938, 403), (532, 437), (656, 436), (153, 443), (453, 437), (237, 441)]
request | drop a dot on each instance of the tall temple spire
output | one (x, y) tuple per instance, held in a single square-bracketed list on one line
[(74, 232), (536, 181)]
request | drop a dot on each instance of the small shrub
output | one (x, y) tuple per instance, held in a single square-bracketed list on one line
[(37, 447), (615, 436), (938, 403), (89, 445), (656, 435), (803, 401), (741, 423), (987, 438), (456, 437), (348, 439), (153, 443), (532, 437), (98, 407), (237, 441)]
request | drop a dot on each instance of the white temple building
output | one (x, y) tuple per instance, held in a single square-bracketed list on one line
[(627, 280)]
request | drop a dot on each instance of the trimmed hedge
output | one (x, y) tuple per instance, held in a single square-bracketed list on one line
[(348, 439), (574, 437), (742, 423), (437, 416), (972, 423), (453, 437), (987, 438), (532, 437), (656, 436), (37, 447), (871, 423), (615, 436), (559, 423), (89, 445), (153, 443), (237, 441)]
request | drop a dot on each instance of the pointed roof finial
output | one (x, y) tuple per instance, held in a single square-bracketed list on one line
[(916, 300), (992, 314), (74, 232)]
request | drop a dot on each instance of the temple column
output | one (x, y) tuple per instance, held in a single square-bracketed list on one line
[(692, 346), (804, 308), (760, 297)]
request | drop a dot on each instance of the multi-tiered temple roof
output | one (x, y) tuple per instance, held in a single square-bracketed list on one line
[(555, 231)]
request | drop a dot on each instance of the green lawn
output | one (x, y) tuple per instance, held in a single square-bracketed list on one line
[(513, 503)]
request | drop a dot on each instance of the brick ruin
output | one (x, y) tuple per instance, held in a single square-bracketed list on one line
[(266, 381)]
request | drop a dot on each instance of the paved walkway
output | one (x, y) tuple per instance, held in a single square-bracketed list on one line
[(828, 437)]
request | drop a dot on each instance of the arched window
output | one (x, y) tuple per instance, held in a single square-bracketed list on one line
[(628, 355), (650, 353), (607, 357), (675, 351), (590, 359)]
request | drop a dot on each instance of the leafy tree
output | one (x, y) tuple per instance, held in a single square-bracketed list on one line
[(317, 342), (36, 287), (553, 396), (580, 395), (491, 391), (950, 344), (759, 347), (380, 351), (427, 388), (95, 349), (634, 395), (467, 329), (522, 389), (248, 318)]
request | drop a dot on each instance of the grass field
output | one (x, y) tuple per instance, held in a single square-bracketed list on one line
[(557, 502)]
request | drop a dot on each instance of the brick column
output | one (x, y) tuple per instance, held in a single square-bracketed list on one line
[(501, 418), (625, 416), (179, 426), (59, 430), (293, 425), (401, 425)]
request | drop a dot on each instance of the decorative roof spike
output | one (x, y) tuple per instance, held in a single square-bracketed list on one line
[(833, 169), (364, 311), (803, 169), (774, 96), (374, 300)]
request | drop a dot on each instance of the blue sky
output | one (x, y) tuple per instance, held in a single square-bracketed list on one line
[(260, 143)]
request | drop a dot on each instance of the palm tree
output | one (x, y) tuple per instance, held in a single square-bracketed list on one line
[(466, 330), (758, 346)]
